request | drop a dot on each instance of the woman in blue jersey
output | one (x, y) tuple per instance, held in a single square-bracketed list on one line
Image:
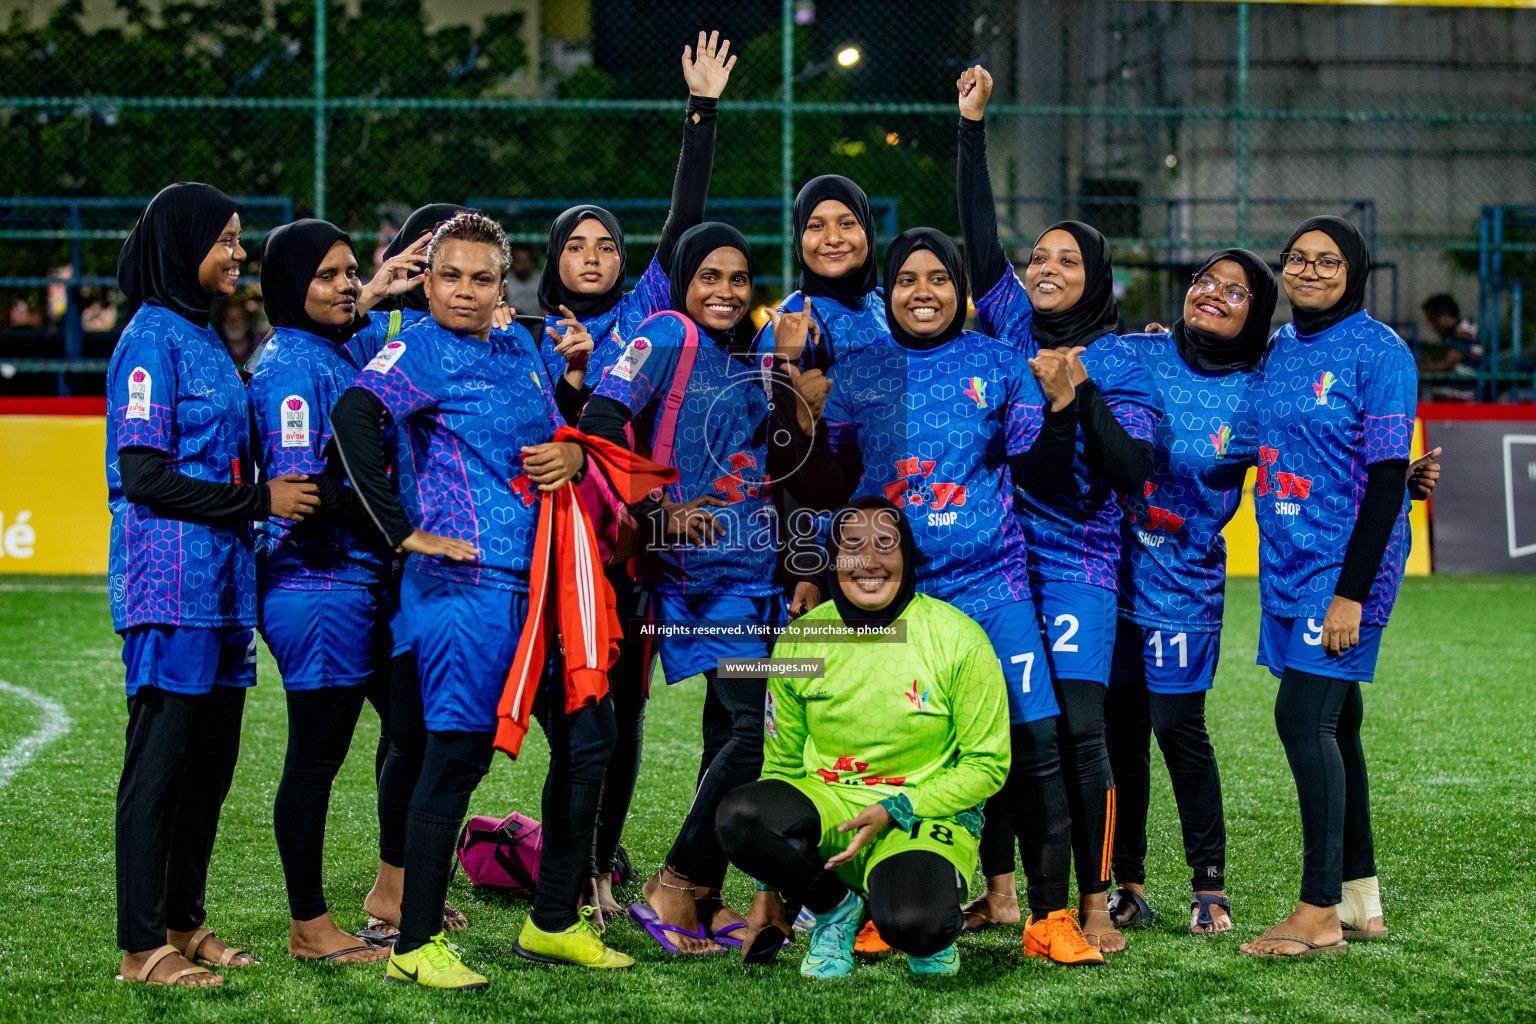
[(1335, 422), (582, 296), (478, 410), (1172, 575), (1066, 300), (945, 423), (709, 572), (325, 590), (181, 575)]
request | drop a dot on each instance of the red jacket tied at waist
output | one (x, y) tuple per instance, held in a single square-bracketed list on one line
[(568, 593)]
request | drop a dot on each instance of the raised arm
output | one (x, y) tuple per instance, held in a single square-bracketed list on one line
[(706, 72), (986, 261)]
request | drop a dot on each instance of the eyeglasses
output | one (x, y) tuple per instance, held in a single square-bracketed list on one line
[(1326, 266), (1232, 294)]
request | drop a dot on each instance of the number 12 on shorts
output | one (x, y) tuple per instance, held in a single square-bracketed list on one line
[(1179, 640)]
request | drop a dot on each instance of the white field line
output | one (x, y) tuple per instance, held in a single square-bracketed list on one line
[(55, 724)]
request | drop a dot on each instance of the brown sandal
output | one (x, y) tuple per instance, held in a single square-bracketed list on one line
[(226, 958), (1312, 948), (160, 954)]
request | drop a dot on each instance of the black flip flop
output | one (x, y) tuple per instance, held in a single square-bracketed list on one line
[(765, 946), (1202, 902), (1129, 909)]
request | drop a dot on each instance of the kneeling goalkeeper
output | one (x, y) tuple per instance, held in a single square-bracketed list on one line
[(874, 775)]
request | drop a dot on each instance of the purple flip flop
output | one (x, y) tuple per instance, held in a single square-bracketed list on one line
[(657, 929), (723, 935)]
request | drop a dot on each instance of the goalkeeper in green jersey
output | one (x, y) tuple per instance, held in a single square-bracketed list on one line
[(875, 773)]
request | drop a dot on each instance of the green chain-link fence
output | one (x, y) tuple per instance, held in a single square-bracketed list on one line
[(1175, 127)]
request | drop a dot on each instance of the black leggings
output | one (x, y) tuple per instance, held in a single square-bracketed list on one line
[(736, 730), (579, 747), (406, 739), (771, 831), (1319, 724), (178, 762), (1033, 807), (626, 684), (320, 727), (1090, 786), (1132, 715)]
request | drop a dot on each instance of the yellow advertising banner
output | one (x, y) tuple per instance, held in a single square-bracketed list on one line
[(53, 495)]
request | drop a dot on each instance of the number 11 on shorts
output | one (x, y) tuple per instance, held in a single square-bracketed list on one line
[(1179, 640)]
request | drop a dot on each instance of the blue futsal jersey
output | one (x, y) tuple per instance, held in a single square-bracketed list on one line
[(1173, 568), (467, 408), (844, 329), (171, 386), (1333, 403), (360, 349), (1075, 536), (296, 384), (933, 429), (612, 330), (720, 449)]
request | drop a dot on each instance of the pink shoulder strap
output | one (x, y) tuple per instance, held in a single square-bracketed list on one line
[(665, 433)]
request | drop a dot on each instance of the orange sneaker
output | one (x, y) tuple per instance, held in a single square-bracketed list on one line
[(869, 940), (1058, 938)]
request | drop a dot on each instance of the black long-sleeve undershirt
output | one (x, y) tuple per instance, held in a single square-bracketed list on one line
[(357, 423), (690, 186), (986, 262), (149, 480), (570, 400), (1379, 509), (1125, 462)]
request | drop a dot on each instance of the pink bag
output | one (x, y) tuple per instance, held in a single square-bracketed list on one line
[(504, 854)]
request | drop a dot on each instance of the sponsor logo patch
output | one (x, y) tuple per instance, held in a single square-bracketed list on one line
[(634, 356), (388, 356), (771, 718), (295, 422), (139, 383), (976, 390), (1321, 388)]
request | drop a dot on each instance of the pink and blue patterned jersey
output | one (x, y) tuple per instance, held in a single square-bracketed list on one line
[(1173, 566), (1332, 404), (296, 384), (844, 329), (171, 386), (933, 429), (721, 449), (467, 408), (1075, 536), (1005, 312), (612, 330), (360, 349)]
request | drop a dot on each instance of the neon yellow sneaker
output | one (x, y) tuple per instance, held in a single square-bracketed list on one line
[(579, 945), (435, 965)]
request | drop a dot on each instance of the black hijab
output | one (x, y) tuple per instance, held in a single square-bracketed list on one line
[(688, 255), (1094, 314), (422, 220), (851, 613), (851, 288), (1211, 354), (159, 261), (942, 246), (552, 290), (1352, 247), (289, 258)]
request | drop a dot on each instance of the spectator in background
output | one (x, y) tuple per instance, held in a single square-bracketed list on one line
[(236, 326), (523, 280), (1463, 355)]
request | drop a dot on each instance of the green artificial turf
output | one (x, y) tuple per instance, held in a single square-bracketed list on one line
[(1448, 736)]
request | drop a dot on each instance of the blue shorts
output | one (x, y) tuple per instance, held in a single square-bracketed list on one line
[(698, 652), (1014, 631), (1298, 644), (465, 639), (188, 659), (325, 637), (1079, 625), (1164, 660)]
